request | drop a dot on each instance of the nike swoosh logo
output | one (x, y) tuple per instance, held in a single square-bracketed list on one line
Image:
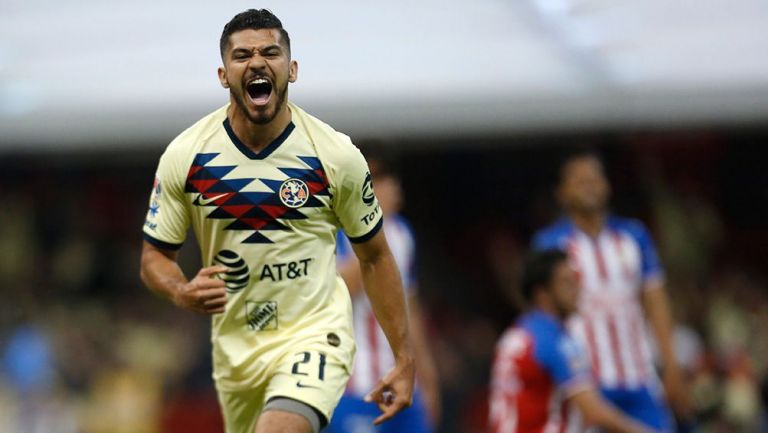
[(301, 385), (205, 202)]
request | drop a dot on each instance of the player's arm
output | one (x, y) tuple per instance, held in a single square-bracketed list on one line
[(599, 413), (426, 370), (381, 280), (568, 364), (164, 229), (349, 269), (658, 313), (161, 273), (425, 363)]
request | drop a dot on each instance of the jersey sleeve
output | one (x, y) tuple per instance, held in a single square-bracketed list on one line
[(355, 203), (545, 240), (167, 219), (565, 361), (651, 268)]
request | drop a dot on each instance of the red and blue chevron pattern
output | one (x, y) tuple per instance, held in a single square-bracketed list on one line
[(256, 211)]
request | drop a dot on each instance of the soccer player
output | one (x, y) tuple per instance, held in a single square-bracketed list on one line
[(265, 187), (540, 374), (624, 292), (353, 414)]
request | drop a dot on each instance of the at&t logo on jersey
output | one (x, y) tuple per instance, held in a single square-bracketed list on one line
[(294, 193), (238, 275)]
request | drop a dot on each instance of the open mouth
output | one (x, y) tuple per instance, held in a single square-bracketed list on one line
[(259, 90)]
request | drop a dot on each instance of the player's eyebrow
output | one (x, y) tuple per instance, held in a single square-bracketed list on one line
[(243, 50), (240, 50), (271, 48)]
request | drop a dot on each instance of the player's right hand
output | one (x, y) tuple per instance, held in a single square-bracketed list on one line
[(204, 294), (394, 392)]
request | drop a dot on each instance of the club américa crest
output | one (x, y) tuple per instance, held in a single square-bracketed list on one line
[(294, 193)]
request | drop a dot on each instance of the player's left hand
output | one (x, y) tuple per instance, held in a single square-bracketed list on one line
[(394, 391)]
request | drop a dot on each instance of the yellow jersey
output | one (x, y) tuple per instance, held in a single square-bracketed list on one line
[(271, 218)]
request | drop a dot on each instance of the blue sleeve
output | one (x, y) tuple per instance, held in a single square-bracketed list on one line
[(651, 265), (343, 247), (545, 240), (563, 358)]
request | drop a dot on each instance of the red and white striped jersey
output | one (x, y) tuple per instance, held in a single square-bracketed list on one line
[(374, 356), (537, 368), (614, 268)]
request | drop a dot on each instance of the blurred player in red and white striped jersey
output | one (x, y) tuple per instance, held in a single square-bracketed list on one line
[(541, 380), (623, 295)]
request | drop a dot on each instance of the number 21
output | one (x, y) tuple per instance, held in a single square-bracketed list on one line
[(306, 359)]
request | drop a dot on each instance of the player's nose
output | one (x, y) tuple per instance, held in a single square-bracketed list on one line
[(257, 62)]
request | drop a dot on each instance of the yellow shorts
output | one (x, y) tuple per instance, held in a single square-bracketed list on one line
[(313, 377)]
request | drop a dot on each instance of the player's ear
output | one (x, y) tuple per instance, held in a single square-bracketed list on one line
[(223, 77), (293, 71)]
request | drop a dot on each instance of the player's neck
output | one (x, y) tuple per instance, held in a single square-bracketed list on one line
[(590, 223), (548, 307), (257, 136)]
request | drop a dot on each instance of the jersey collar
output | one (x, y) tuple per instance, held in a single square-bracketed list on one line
[(271, 147)]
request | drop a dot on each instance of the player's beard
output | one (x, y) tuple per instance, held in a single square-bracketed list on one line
[(265, 115)]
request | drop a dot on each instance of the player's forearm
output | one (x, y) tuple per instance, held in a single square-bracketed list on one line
[(658, 312), (381, 280), (597, 412), (611, 420), (161, 274)]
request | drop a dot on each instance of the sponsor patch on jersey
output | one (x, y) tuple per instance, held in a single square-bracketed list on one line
[(154, 208), (261, 316), (157, 186), (294, 193), (333, 339), (367, 193), (238, 275)]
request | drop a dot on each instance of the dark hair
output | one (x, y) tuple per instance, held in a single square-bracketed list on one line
[(255, 19), (577, 153), (538, 271)]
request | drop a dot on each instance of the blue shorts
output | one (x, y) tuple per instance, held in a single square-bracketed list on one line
[(644, 405), (353, 415)]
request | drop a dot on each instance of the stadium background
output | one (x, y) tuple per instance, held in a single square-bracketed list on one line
[(476, 100)]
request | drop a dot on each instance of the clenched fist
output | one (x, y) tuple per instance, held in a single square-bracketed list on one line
[(203, 294)]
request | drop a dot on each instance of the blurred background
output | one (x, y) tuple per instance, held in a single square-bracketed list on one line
[(476, 100)]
